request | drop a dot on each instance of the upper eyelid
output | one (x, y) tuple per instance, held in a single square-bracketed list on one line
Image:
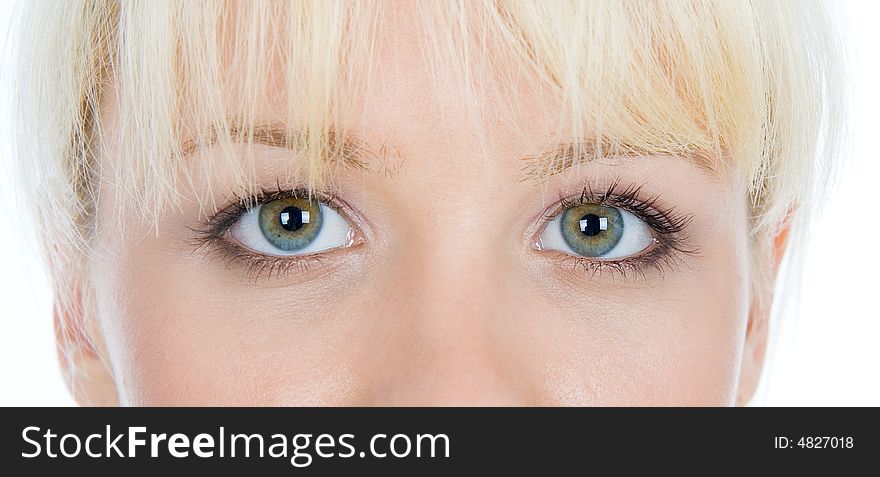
[(563, 203), (663, 220), (234, 209)]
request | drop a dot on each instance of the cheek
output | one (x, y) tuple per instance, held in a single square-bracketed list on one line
[(647, 348), (675, 340), (179, 333)]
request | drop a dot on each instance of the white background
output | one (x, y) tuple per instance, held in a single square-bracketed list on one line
[(828, 353)]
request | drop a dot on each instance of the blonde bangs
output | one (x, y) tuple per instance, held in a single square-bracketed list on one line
[(752, 88)]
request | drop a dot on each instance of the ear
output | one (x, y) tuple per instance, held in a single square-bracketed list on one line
[(757, 328), (81, 354)]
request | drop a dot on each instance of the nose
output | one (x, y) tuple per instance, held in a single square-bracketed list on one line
[(452, 347)]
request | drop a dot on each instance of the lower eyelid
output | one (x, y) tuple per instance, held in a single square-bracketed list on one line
[(626, 270), (272, 271)]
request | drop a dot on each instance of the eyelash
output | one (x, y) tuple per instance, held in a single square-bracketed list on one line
[(670, 242)]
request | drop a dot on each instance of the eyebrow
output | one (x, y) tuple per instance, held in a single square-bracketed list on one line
[(344, 149), (559, 158), (353, 153)]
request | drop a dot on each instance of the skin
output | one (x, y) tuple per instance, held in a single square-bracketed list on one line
[(444, 301)]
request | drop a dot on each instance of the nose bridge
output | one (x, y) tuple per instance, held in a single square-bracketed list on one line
[(452, 352)]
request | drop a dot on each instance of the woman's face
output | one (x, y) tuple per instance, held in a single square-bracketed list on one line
[(433, 275)]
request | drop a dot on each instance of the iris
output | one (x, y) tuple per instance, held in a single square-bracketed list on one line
[(290, 224), (592, 230)]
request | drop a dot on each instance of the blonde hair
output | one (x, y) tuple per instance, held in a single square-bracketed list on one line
[(756, 86)]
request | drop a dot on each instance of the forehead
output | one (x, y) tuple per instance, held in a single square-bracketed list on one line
[(501, 80), (391, 78)]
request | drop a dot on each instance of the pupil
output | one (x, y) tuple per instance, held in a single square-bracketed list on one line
[(291, 219), (590, 225)]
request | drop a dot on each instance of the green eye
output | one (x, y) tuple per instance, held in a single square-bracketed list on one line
[(290, 224), (592, 230), (597, 231)]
